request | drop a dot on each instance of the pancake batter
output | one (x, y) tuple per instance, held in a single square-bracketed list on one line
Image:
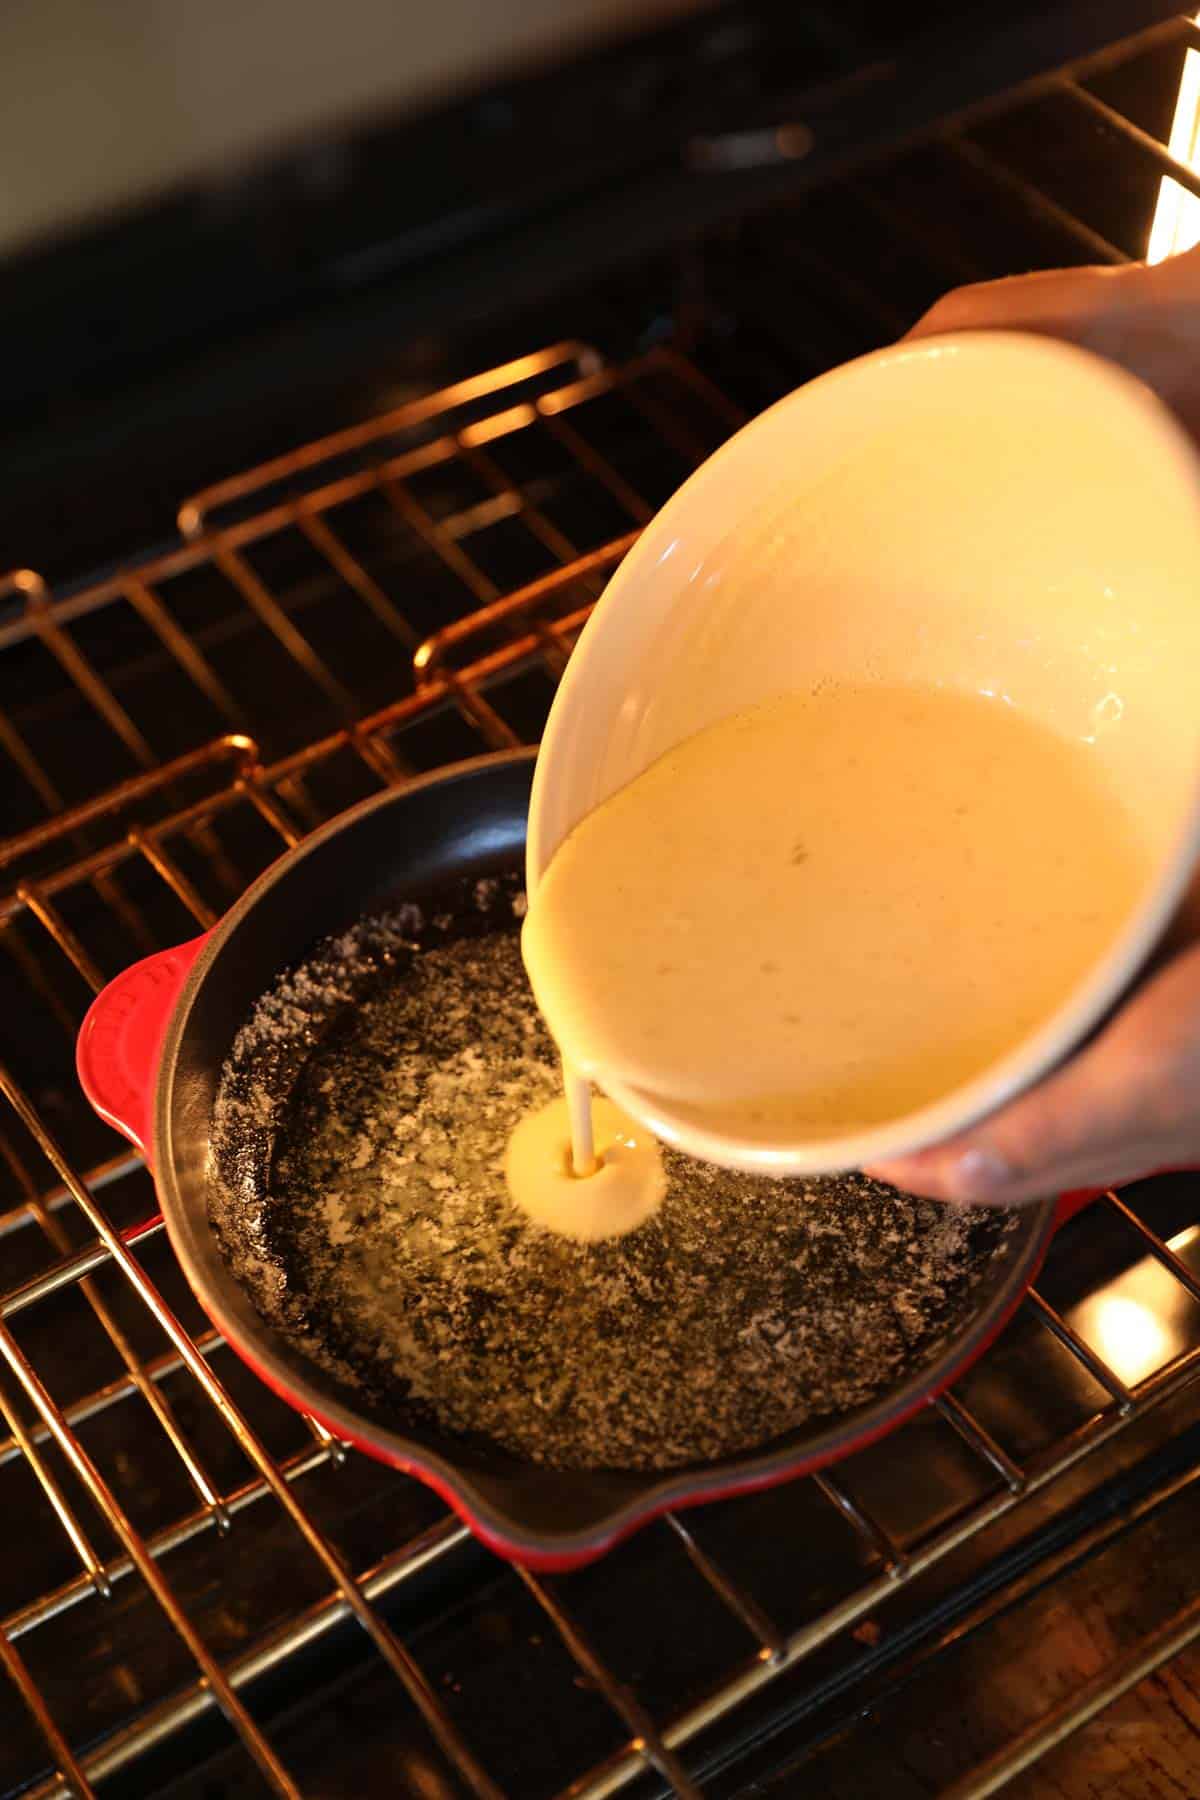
[(825, 912), (624, 1187)]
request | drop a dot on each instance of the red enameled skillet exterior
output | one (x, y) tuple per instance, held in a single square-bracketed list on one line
[(150, 1055)]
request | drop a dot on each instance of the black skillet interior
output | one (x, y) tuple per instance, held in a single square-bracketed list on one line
[(466, 822)]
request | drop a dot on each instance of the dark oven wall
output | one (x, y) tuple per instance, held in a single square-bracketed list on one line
[(147, 354)]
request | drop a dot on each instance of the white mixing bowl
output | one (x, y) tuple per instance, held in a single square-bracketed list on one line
[(989, 513)]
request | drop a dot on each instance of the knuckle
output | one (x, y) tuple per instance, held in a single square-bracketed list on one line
[(954, 310)]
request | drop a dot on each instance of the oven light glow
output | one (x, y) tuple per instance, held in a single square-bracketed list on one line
[(1177, 216), (1131, 1339)]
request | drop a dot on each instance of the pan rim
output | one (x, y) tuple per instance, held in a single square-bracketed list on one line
[(499, 1528)]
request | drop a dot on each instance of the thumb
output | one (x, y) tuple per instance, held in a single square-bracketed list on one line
[(1064, 303)]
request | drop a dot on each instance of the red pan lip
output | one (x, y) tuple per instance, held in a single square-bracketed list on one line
[(575, 1550), (503, 1533)]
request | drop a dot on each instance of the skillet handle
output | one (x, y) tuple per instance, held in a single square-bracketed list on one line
[(118, 1048)]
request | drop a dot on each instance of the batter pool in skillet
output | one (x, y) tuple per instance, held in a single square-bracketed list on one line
[(623, 1188), (357, 1188)]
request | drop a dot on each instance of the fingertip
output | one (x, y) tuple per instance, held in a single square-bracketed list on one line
[(973, 1175), (979, 1175), (912, 1175)]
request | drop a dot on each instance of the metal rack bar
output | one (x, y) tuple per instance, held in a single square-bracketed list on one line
[(194, 512), (388, 1645), (108, 1506), (1162, 1253), (56, 1743), (1066, 1334), (645, 1743), (743, 1605), (322, 536), (1074, 1712), (146, 842), (18, 752), (146, 602), (161, 1722), (524, 508), (620, 1770), (79, 670), (268, 807), (981, 1441), (262, 602), (323, 1436), (100, 1175), (157, 1368), (1036, 203), (589, 458), (444, 544), (71, 1269), (878, 1541), (1146, 146), (242, 751), (1053, 1566), (63, 1511), (35, 902), (429, 658), (150, 1391), (159, 1544)]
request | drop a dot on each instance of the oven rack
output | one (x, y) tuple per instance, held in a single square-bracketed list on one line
[(139, 846)]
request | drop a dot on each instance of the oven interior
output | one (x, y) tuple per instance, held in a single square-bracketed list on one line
[(202, 1593)]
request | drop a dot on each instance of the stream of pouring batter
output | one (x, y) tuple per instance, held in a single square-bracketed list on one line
[(578, 1092), (822, 914), (584, 1168)]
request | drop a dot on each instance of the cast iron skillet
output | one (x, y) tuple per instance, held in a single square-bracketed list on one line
[(150, 1058)]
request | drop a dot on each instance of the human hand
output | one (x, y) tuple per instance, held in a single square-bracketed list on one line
[(1145, 319), (1128, 1104)]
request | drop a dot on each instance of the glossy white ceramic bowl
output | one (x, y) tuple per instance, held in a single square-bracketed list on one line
[(1036, 536)]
